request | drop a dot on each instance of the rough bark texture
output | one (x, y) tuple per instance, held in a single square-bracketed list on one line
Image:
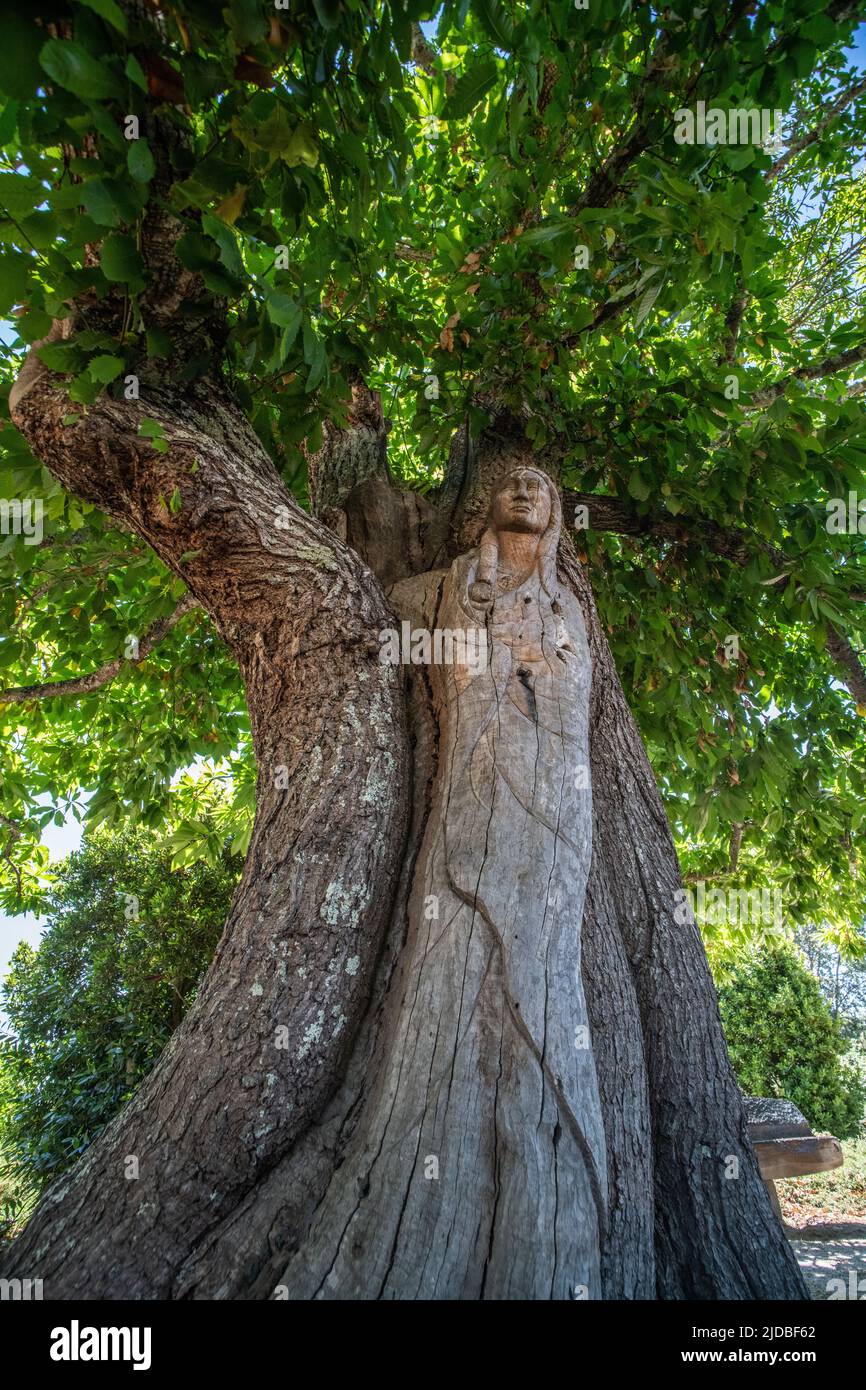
[(341, 1037), (266, 1041), (714, 1235)]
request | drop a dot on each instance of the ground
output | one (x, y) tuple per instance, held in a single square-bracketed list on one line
[(826, 1217), (828, 1197)]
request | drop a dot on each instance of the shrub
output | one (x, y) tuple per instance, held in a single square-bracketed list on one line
[(783, 1039), (127, 942)]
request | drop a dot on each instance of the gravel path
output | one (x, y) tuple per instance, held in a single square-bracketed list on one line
[(833, 1261)]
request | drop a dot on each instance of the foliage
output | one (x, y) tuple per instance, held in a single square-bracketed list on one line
[(358, 197), (783, 1039), (17, 1190), (126, 943)]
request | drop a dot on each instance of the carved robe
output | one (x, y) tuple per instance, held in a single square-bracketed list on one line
[(491, 970)]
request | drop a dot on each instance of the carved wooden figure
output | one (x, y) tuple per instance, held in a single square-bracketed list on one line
[(487, 1066)]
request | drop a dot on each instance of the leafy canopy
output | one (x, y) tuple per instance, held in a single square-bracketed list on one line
[(497, 200)]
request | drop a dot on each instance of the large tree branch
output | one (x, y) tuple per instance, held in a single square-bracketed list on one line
[(610, 310), (103, 675), (610, 514), (301, 613), (828, 366), (734, 844), (849, 661), (734, 320), (605, 182), (349, 454)]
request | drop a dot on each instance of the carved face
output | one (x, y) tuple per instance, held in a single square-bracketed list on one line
[(522, 503)]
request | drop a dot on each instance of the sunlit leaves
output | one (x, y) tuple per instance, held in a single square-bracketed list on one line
[(469, 89)]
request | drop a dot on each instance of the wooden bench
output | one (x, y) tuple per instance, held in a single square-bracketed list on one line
[(785, 1145)]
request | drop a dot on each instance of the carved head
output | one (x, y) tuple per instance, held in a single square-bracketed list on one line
[(522, 502), (525, 500)]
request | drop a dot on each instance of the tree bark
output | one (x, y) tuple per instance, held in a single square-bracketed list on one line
[(267, 1163), (714, 1234), (265, 1043)]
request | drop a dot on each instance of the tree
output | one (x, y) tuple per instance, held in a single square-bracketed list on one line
[(841, 975), (785, 1042), (126, 942), (300, 294)]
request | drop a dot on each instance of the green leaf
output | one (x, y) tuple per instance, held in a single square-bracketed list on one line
[(638, 487), (227, 241), (120, 260), (108, 202), (327, 13), (195, 251), (318, 363), (14, 269), (158, 343), (536, 236), (272, 134), (302, 148), (140, 161), (495, 21), (20, 69), (282, 311), (84, 390), (109, 10), (152, 430), (8, 121), (34, 324), (135, 72), (72, 67), (648, 299), (61, 357), (469, 89), (105, 367), (288, 339), (20, 194)]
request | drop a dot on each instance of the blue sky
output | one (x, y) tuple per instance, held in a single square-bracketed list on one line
[(61, 840)]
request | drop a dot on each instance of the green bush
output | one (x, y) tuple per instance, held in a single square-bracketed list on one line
[(127, 942), (783, 1039)]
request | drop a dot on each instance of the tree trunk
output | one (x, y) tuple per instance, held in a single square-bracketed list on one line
[(370, 1100)]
